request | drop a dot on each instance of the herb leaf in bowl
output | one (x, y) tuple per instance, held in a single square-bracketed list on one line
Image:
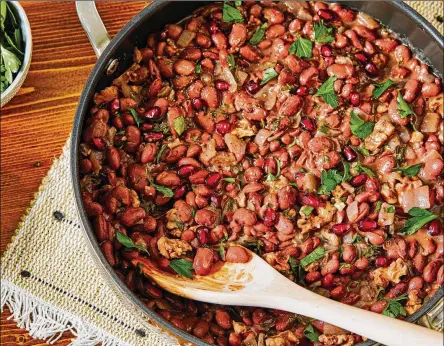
[(11, 46)]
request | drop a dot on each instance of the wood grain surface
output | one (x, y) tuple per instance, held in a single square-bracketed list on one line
[(35, 124)]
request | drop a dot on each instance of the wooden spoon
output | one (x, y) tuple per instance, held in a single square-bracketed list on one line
[(256, 283)]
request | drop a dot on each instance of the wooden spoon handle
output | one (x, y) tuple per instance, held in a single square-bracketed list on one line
[(380, 328)]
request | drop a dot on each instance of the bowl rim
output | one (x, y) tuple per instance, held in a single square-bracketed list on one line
[(25, 27), (131, 300)]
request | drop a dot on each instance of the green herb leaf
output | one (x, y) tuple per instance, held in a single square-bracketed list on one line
[(359, 127), (302, 48), (356, 238), (306, 210), (346, 175), (363, 169), (10, 62), (128, 243), (166, 191), (231, 62), (390, 209), (404, 109), (229, 180), (271, 177), (327, 92), (322, 32), (409, 171), (182, 267), (420, 218), (297, 270), (238, 3), (159, 154), (311, 334), (198, 68), (231, 14), (329, 180), (269, 74), (3, 11), (394, 308), (179, 125), (222, 247), (258, 34), (136, 117), (315, 255), (378, 206), (380, 88)]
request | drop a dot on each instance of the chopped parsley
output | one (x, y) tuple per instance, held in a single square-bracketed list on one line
[(231, 14), (302, 48), (269, 74), (258, 34), (381, 88), (420, 218), (182, 267), (323, 33), (404, 109), (327, 92), (359, 127), (409, 171)]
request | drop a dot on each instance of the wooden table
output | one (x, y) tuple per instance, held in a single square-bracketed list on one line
[(37, 122)]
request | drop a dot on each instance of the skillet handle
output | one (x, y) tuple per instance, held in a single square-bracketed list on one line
[(93, 25)]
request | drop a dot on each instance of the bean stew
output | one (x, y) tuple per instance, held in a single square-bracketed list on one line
[(304, 131)]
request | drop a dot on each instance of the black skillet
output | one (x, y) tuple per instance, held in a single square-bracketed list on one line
[(115, 56)]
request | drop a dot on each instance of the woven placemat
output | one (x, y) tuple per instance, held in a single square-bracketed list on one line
[(50, 282)]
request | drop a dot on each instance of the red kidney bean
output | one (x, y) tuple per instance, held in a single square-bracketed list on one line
[(431, 271)]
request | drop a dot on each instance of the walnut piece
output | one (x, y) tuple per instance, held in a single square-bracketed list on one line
[(172, 248)]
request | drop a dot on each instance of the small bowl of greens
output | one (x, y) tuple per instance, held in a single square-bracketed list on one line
[(15, 48)]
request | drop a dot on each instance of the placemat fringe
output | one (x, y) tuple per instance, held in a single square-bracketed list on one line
[(46, 322)]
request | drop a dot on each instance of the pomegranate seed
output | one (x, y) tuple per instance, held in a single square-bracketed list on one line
[(341, 228), (367, 225), (327, 280), (326, 51), (213, 179), (197, 103), (381, 262), (213, 27), (435, 228), (252, 87), (180, 192), (311, 200), (358, 180), (98, 143), (222, 85), (302, 91), (146, 127), (270, 165), (349, 154), (270, 217), (216, 200), (223, 127), (186, 171), (361, 57), (163, 35), (152, 136), (308, 124), (114, 106), (355, 99), (258, 316), (202, 234), (371, 69), (243, 63), (153, 113), (327, 15)]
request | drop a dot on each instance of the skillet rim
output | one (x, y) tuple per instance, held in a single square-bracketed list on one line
[(106, 270)]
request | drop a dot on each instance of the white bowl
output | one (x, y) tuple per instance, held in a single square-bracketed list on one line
[(9, 93)]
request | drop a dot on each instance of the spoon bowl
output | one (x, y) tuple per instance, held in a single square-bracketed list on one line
[(256, 283)]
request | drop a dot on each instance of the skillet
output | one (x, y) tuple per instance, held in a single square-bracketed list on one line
[(114, 57)]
